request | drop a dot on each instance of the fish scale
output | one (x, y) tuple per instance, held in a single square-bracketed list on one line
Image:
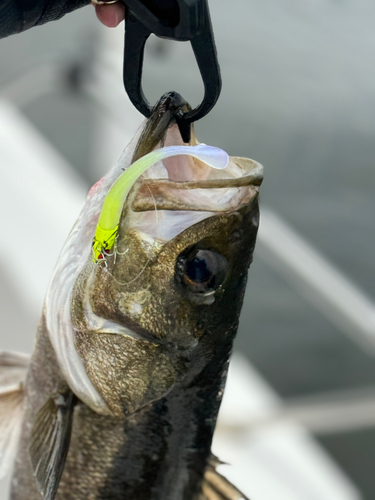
[(121, 401)]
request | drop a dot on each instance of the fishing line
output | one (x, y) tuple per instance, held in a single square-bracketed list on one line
[(126, 251)]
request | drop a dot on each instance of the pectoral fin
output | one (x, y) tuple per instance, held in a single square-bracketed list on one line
[(49, 443), (13, 368), (216, 487)]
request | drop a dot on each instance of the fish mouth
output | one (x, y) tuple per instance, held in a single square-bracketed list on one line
[(182, 189), (235, 187), (97, 324), (172, 184)]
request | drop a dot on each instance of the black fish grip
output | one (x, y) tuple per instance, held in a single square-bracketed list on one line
[(179, 20)]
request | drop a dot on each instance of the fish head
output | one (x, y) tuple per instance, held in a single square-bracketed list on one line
[(166, 300)]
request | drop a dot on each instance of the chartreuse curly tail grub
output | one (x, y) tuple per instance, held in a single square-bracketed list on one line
[(107, 228)]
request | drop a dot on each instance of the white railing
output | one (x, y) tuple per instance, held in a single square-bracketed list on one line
[(320, 282)]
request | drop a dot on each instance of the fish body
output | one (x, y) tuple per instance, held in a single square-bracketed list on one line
[(131, 355)]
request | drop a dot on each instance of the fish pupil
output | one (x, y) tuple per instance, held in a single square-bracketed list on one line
[(198, 270), (201, 270)]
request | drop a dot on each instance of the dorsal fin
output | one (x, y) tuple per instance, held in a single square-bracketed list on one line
[(13, 369), (217, 487), (49, 442)]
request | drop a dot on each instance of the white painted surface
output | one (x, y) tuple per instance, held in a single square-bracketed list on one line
[(278, 461), (324, 286), (40, 199)]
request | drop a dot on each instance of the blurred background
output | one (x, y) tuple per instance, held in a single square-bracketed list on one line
[(298, 418)]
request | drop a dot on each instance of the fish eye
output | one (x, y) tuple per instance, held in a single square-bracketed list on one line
[(201, 270)]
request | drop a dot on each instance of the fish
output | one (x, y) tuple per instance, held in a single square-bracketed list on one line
[(132, 349)]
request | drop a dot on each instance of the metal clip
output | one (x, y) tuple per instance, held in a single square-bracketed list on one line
[(180, 20)]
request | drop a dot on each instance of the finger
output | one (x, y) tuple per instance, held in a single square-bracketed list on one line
[(110, 15)]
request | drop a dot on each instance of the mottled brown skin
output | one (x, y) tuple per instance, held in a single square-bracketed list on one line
[(183, 362), (163, 383), (172, 319), (160, 449)]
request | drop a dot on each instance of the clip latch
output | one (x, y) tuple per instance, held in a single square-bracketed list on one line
[(179, 20)]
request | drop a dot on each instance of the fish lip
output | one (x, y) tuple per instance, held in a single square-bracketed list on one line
[(165, 194), (163, 116), (127, 327), (131, 329), (111, 327)]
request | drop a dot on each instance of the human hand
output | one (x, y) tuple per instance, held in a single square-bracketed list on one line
[(110, 14)]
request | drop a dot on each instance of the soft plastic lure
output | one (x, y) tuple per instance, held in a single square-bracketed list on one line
[(107, 228)]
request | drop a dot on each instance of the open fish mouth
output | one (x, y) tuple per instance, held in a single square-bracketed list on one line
[(178, 192), (173, 177), (185, 183), (194, 199), (173, 194)]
